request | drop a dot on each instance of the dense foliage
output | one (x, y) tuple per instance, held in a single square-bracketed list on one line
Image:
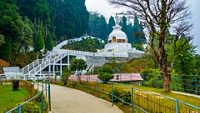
[(111, 23), (15, 30), (97, 26), (65, 75), (135, 32), (125, 95), (78, 65), (105, 73), (87, 44), (133, 66), (36, 24), (152, 78)]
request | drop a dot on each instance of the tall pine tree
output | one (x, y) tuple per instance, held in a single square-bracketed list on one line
[(111, 23), (39, 38), (123, 23), (49, 42), (138, 33), (103, 28), (130, 32), (97, 26)]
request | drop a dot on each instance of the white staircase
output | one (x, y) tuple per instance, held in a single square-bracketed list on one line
[(92, 59), (39, 64)]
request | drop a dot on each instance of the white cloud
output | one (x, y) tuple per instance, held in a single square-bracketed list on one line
[(102, 6)]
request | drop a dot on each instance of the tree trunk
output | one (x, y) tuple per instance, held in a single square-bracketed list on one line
[(166, 83), (165, 72), (79, 76), (163, 62), (38, 53)]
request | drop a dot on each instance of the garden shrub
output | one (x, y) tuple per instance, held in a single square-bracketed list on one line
[(122, 94), (152, 78), (65, 76), (29, 86), (31, 107), (105, 77), (115, 92), (105, 73)]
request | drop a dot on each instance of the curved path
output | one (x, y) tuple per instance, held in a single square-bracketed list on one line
[(67, 100)]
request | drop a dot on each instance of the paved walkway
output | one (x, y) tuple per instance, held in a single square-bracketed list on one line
[(67, 100)]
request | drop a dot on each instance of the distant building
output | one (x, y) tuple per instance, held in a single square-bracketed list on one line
[(117, 40), (11, 72), (134, 78), (118, 43)]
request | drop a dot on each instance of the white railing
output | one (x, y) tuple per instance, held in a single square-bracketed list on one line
[(36, 63), (46, 62), (58, 54)]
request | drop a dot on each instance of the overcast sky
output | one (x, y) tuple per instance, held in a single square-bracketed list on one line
[(103, 7)]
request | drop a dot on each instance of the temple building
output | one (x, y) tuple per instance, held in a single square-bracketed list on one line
[(117, 44), (117, 40)]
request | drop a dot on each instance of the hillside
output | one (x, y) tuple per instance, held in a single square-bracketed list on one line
[(136, 65), (86, 44)]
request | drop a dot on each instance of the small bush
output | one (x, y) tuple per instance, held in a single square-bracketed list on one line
[(31, 107), (152, 78), (65, 76), (105, 73), (122, 94), (105, 77), (29, 86)]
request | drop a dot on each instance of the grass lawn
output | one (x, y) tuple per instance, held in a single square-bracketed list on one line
[(10, 98), (189, 99)]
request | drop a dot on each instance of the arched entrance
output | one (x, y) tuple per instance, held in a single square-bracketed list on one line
[(114, 40)]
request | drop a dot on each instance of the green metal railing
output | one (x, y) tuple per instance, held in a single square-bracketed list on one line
[(98, 89), (186, 83), (44, 88), (178, 106), (142, 101)]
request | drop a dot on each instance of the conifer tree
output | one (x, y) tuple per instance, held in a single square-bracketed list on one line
[(130, 33), (138, 34), (111, 23), (49, 42), (124, 24), (39, 38)]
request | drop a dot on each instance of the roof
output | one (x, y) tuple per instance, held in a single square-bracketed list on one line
[(118, 33), (127, 77), (124, 77)]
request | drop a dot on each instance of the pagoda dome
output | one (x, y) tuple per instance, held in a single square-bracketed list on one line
[(117, 35)]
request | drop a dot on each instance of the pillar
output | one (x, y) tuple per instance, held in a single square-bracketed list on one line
[(61, 67), (68, 61)]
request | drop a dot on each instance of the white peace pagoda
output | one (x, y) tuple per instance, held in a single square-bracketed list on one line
[(118, 45), (117, 40)]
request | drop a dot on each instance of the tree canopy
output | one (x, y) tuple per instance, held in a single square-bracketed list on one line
[(27, 24), (111, 23), (97, 26)]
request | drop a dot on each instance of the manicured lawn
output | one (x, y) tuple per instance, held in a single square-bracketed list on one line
[(10, 98)]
